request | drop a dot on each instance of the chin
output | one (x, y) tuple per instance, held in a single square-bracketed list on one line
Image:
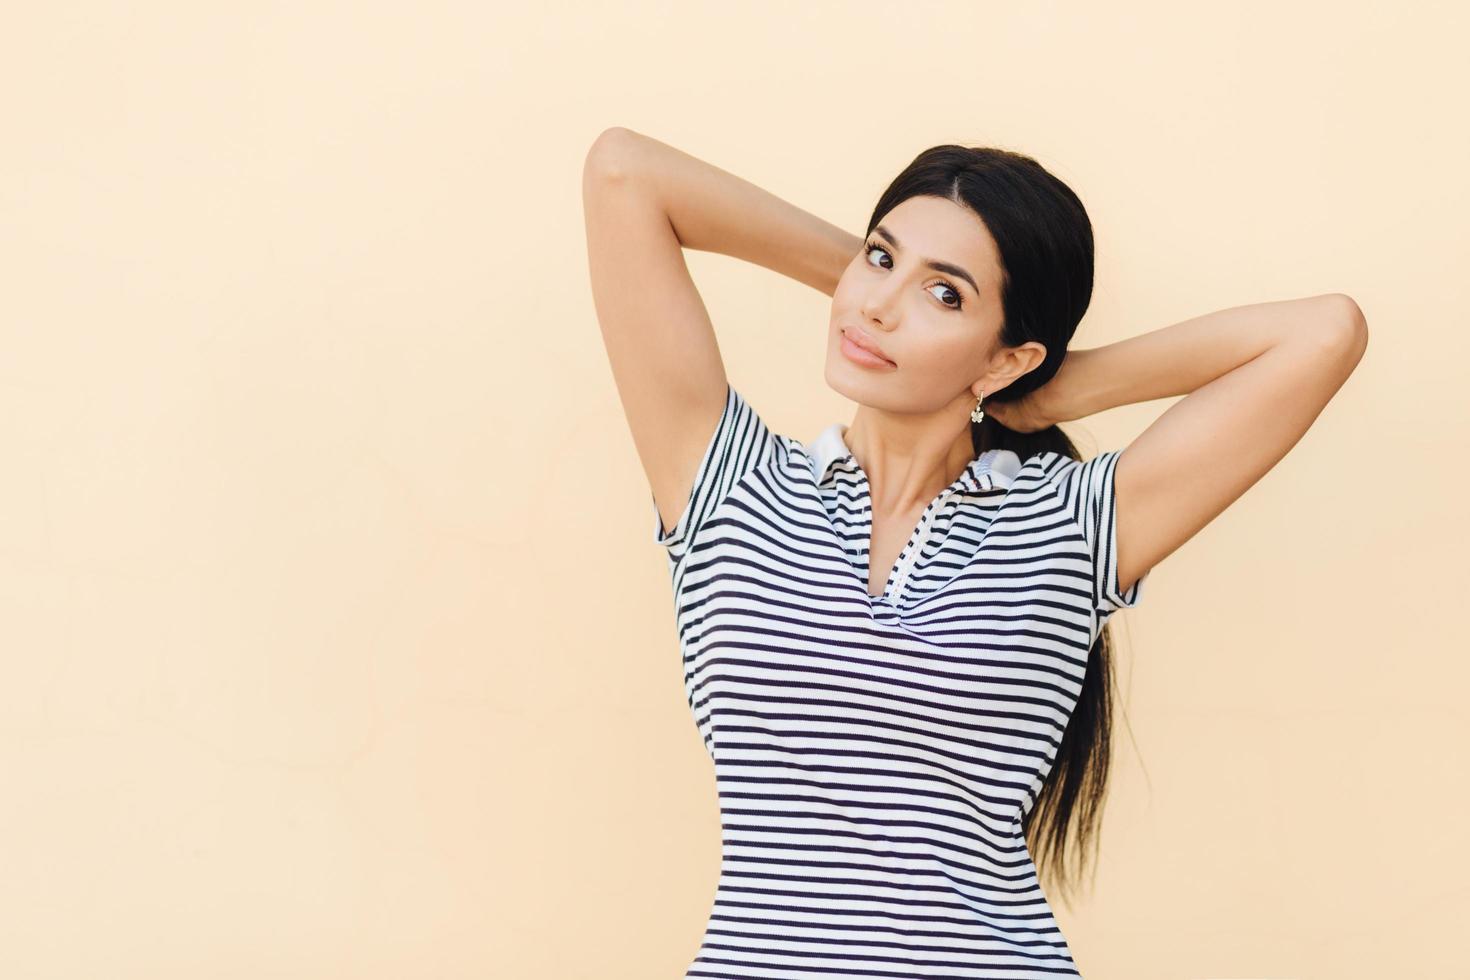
[(846, 380), (827, 373), (836, 378)]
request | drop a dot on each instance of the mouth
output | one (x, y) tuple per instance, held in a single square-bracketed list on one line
[(860, 350)]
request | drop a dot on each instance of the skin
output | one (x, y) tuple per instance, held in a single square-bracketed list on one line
[(911, 432), (1253, 377)]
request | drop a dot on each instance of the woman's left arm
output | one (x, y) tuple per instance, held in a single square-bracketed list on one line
[(1256, 377)]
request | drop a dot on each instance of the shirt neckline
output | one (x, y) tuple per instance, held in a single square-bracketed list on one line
[(994, 469)]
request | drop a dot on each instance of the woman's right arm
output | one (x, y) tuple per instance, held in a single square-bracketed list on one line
[(712, 210), (644, 202)]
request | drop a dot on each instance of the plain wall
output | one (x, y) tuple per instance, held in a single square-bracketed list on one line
[(335, 642)]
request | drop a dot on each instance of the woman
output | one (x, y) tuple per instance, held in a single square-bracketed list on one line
[(894, 637)]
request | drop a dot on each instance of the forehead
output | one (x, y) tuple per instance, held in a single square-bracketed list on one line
[(938, 228)]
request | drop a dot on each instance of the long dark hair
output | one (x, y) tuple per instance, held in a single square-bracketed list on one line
[(1045, 242)]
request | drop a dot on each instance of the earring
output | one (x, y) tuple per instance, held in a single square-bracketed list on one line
[(977, 414)]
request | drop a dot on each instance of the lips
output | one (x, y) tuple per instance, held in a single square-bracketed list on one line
[(858, 340)]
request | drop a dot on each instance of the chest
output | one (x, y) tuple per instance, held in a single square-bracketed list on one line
[(889, 536), (779, 570)]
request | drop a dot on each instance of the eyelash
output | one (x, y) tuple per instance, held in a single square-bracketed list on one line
[(870, 247)]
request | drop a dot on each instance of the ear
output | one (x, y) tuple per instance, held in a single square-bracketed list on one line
[(1010, 364), (1031, 354)]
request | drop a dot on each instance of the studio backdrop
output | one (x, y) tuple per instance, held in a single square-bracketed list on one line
[(343, 633)]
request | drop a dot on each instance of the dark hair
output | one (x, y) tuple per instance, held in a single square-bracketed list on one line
[(1046, 251)]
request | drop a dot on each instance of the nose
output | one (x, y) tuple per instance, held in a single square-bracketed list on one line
[(878, 304)]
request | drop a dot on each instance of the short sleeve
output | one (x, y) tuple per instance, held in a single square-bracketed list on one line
[(740, 443), (1090, 494)]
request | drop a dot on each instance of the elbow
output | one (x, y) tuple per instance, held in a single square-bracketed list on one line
[(1347, 310), (1346, 326), (610, 154)]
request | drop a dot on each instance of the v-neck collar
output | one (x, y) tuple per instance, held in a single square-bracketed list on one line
[(994, 469)]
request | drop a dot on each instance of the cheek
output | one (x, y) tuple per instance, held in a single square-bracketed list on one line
[(946, 361)]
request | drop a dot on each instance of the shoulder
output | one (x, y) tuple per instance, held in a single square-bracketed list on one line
[(1038, 472), (1085, 487), (1054, 467), (1068, 473)]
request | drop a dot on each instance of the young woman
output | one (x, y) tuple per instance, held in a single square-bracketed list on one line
[(894, 637)]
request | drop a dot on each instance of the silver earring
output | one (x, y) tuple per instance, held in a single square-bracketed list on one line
[(976, 413)]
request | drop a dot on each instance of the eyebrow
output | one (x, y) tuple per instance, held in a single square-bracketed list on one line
[(934, 264)]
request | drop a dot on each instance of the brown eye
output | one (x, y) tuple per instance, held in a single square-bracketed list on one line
[(959, 303), (948, 288)]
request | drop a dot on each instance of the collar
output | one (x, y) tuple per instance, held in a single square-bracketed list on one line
[(994, 469)]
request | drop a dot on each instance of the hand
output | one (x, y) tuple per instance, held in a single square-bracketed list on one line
[(1052, 403)]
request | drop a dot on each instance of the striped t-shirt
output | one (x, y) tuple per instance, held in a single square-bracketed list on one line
[(875, 755)]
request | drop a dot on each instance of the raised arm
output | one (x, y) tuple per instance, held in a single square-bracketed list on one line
[(644, 202), (1256, 377)]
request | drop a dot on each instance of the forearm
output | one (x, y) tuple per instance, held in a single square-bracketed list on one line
[(1178, 359), (712, 210)]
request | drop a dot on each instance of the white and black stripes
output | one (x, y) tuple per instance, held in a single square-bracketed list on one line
[(1088, 490), (739, 443), (875, 755)]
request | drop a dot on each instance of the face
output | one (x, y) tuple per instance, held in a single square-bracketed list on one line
[(937, 328)]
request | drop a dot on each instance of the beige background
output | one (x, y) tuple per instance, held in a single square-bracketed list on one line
[(335, 641)]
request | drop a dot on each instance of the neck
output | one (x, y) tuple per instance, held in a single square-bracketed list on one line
[(907, 466)]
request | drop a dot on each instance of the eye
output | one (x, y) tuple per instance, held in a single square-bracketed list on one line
[(875, 248), (940, 283)]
